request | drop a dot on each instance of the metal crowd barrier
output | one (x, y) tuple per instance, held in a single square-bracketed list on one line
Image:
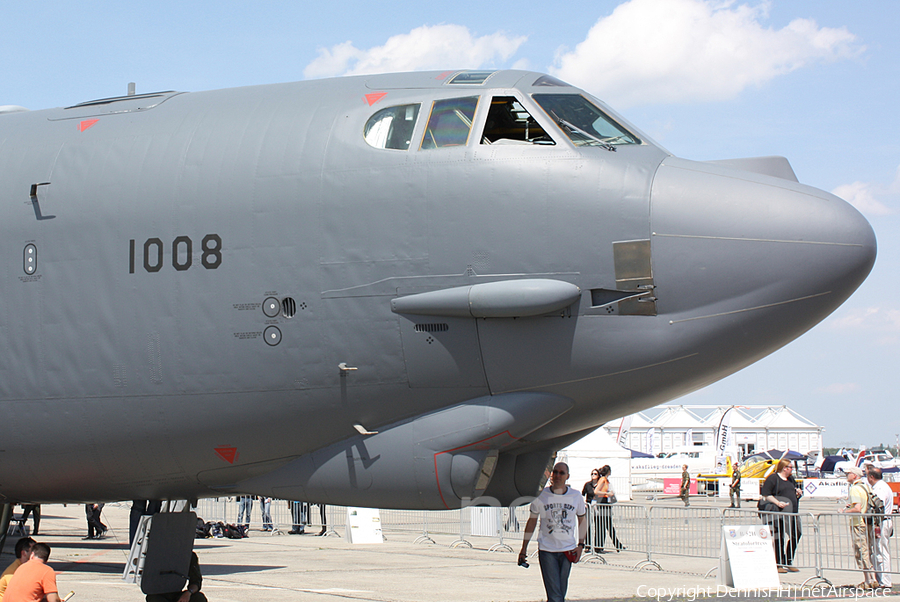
[(783, 525), (836, 545), (824, 544)]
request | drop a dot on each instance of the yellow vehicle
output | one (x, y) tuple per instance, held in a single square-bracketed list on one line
[(757, 466)]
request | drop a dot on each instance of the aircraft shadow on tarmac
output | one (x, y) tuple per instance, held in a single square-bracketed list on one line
[(116, 568)]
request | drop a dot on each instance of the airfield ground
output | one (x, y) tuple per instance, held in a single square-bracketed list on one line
[(273, 568)]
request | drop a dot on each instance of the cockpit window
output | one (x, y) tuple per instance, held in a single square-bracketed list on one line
[(583, 122), (450, 122), (508, 122), (392, 127)]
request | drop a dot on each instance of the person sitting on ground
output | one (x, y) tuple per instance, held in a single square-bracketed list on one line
[(34, 581), (191, 593), (23, 552)]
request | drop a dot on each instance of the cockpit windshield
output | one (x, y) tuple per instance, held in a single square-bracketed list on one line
[(508, 122), (583, 122), (450, 122)]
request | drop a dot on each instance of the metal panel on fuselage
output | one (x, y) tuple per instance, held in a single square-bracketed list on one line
[(139, 348), (147, 348), (597, 198)]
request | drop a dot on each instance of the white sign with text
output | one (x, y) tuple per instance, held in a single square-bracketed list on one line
[(364, 526), (749, 489), (747, 559), (822, 488)]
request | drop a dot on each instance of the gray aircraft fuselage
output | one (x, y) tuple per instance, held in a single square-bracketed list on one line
[(402, 290)]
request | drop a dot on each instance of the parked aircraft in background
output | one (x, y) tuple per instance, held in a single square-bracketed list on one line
[(882, 458), (403, 290)]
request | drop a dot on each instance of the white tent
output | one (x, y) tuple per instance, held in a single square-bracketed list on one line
[(594, 451), (754, 428)]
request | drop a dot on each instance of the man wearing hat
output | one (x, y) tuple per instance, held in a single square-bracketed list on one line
[(859, 530)]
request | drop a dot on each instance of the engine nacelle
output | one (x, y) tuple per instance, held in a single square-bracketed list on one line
[(518, 478), (405, 466)]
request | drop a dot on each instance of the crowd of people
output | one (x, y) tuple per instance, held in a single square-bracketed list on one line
[(300, 514), (870, 536), (565, 533), (599, 492), (559, 514)]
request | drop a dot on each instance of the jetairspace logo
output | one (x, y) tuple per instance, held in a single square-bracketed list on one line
[(689, 594)]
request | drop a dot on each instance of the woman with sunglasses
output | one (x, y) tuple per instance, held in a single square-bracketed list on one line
[(591, 499)]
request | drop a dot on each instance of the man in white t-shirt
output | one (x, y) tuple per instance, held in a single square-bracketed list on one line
[(561, 511), (881, 546)]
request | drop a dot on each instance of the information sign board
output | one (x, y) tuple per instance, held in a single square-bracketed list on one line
[(747, 558), (364, 525)]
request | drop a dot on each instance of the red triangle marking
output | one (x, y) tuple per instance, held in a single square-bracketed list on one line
[(375, 97), (227, 453), (86, 124)]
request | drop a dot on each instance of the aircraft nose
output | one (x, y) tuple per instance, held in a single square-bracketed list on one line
[(727, 242)]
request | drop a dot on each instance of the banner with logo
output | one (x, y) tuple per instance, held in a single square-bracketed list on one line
[(624, 427), (826, 488)]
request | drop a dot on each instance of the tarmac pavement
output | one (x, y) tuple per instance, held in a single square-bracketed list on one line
[(275, 568)]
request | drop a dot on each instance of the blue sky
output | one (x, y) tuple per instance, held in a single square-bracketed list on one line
[(815, 81)]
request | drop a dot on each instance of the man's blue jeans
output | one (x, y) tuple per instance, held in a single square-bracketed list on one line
[(245, 505), (555, 569)]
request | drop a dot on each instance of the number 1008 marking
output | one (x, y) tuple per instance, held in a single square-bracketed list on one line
[(182, 253)]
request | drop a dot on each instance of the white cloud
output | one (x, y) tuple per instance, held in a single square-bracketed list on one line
[(862, 196), (865, 195), (875, 319), (693, 50), (426, 47)]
